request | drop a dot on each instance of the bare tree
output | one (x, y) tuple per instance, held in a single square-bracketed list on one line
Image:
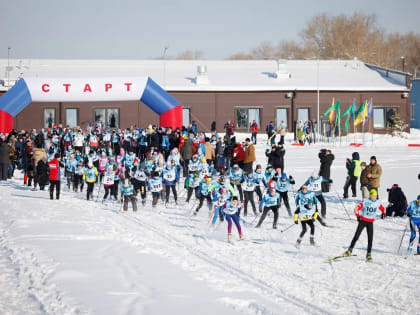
[(190, 55)]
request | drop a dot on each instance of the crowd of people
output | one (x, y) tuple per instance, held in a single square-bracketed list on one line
[(129, 164)]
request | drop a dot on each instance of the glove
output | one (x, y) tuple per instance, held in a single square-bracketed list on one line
[(290, 177), (323, 223), (330, 181), (295, 218), (382, 216), (121, 200), (358, 219), (409, 214), (315, 216)]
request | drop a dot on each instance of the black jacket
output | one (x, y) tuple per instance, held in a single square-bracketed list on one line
[(5, 150)]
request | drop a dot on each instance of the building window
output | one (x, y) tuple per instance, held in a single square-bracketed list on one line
[(281, 117), (412, 111), (245, 116), (186, 116), (303, 114), (108, 117), (378, 118), (49, 117), (71, 117)]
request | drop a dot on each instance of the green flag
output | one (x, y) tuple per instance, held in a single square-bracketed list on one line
[(349, 113)]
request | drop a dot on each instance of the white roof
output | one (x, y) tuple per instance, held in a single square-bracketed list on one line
[(222, 75)]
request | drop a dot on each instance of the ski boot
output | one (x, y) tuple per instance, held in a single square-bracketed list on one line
[(241, 237), (348, 252), (289, 212), (298, 241), (229, 238), (368, 257), (143, 202), (312, 241), (274, 226), (418, 250)]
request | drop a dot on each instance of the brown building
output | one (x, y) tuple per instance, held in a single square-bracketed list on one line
[(219, 91)]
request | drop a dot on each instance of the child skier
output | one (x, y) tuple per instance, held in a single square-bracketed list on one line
[(282, 187), (139, 180), (314, 184), (413, 212), (108, 182), (89, 176), (235, 179), (127, 191), (248, 186), (366, 215), (78, 177), (170, 177), (270, 201), (204, 193), (155, 185), (193, 184), (306, 210), (231, 211)]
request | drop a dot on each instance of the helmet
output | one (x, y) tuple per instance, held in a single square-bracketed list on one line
[(272, 190), (373, 193), (223, 190), (195, 157), (250, 173), (169, 165), (283, 176), (196, 175), (208, 179), (269, 166), (235, 166), (156, 174)]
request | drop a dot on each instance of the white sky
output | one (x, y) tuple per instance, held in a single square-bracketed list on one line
[(130, 29)]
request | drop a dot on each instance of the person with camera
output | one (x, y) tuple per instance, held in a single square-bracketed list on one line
[(397, 201), (326, 158)]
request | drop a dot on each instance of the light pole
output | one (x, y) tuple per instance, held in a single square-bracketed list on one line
[(8, 66), (164, 65)]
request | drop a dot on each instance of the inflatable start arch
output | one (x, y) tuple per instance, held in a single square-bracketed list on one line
[(29, 90)]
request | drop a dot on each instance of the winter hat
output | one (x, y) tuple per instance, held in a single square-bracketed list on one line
[(373, 157), (283, 176), (247, 140), (363, 164), (373, 193), (56, 155), (314, 174), (418, 198)]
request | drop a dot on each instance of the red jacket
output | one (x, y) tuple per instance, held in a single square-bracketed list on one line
[(54, 166), (239, 153), (254, 127), (358, 210)]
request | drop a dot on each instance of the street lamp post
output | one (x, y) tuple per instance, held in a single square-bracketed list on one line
[(164, 65), (8, 67)]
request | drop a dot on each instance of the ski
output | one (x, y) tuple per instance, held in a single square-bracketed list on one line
[(341, 256), (251, 241)]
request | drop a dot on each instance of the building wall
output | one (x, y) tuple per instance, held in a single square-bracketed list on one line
[(217, 106), (415, 99)]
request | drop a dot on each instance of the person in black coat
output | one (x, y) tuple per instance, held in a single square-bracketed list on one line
[(42, 173), (276, 156), (326, 158), (397, 201), (5, 150)]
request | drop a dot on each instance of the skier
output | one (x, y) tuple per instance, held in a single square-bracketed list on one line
[(235, 179), (260, 178), (127, 191), (231, 211), (220, 197), (282, 187), (70, 167), (307, 211), (54, 166), (271, 201), (314, 184), (155, 185), (89, 176), (204, 193), (139, 180), (78, 177), (413, 212), (248, 185), (108, 181), (192, 184), (170, 177), (366, 215)]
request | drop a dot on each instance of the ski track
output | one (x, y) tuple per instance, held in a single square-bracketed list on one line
[(294, 280)]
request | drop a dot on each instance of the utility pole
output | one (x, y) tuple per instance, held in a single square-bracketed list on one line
[(8, 66)]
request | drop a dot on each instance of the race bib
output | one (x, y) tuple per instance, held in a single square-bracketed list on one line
[(108, 180), (156, 187), (315, 187), (140, 176)]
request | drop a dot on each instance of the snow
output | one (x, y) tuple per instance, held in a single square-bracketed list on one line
[(72, 256), (222, 75)]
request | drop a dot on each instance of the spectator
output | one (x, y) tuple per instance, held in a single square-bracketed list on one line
[(364, 181), (326, 158), (229, 128), (374, 174), (5, 150), (254, 131), (210, 155), (187, 152), (353, 172), (270, 129), (397, 201), (249, 157), (238, 155)]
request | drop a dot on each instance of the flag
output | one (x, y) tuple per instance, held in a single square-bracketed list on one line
[(334, 111), (360, 114), (350, 113), (369, 111)]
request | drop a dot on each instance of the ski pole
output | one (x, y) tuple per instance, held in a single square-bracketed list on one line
[(402, 238), (341, 200), (289, 227), (99, 189)]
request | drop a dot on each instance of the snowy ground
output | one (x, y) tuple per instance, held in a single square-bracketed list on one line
[(74, 256)]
